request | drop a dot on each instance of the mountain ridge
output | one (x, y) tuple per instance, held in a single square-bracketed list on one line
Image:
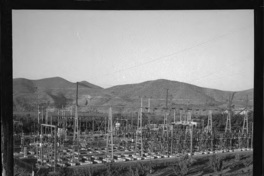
[(60, 92)]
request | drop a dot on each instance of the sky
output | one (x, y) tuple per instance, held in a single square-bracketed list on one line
[(207, 48)]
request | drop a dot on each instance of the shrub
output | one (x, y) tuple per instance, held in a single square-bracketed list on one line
[(237, 157), (247, 162), (18, 171), (216, 163), (182, 166)]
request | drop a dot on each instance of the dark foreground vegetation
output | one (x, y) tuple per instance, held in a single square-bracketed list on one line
[(224, 165)]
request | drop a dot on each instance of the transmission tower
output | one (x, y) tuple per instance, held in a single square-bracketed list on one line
[(229, 114), (189, 116), (209, 123), (245, 121), (75, 131), (139, 133), (189, 131), (174, 117), (228, 122), (109, 141), (148, 105), (165, 124), (181, 114)]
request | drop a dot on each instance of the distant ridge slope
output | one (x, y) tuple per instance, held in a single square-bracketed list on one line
[(89, 85), (179, 92), (54, 91), (54, 82), (62, 92), (22, 85)]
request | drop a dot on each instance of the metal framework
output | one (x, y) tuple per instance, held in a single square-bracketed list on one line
[(165, 139), (229, 114), (139, 133), (109, 140), (228, 122), (76, 125), (55, 144), (209, 123)]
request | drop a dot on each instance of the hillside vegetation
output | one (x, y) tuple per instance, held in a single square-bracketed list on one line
[(58, 92)]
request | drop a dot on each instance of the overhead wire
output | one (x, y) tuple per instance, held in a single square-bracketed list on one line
[(178, 52)]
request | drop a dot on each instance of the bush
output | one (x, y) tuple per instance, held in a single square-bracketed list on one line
[(216, 163), (247, 162), (182, 166), (237, 157), (18, 171)]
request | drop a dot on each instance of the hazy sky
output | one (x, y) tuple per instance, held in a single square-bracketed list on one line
[(207, 48)]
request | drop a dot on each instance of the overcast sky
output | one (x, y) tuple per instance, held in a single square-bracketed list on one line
[(207, 48)]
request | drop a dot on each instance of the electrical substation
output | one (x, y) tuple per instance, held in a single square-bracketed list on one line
[(67, 137)]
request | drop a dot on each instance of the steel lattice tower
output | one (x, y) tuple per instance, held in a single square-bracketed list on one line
[(228, 122), (139, 141), (188, 121), (75, 132), (181, 113), (245, 121), (189, 116), (209, 123), (109, 141), (189, 131), (228, 119), (165, 124)]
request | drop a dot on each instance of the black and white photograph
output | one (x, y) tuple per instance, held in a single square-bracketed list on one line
[(133, 93)]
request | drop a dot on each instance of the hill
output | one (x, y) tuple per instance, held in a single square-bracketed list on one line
[(53, 91), (59, 92), (178, 93)]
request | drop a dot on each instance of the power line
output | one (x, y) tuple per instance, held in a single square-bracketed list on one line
[(212, 74), (180, 51)]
